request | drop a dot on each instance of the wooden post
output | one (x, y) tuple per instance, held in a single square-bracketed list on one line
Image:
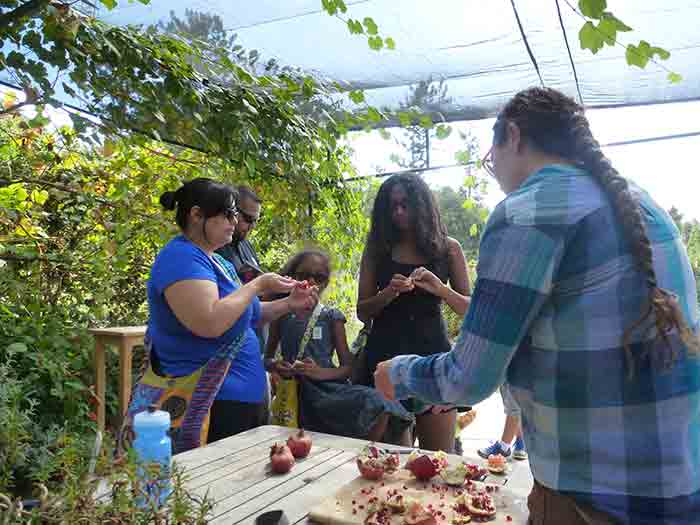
[(126, 346), (100, 380)]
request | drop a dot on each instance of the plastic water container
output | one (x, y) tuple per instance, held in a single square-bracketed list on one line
[(154, 453)]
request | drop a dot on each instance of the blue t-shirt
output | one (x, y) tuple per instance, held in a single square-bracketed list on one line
[(179, 351)]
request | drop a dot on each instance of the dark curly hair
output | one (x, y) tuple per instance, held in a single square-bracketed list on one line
[(555, 124), (431, 235), (292, 265)]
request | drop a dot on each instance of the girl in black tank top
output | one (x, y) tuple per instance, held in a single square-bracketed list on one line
[(407, 264)]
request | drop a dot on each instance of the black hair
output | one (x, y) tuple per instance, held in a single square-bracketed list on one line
[(292, 265), (431, 235), (211, 196), (246, 192), (555, 124)]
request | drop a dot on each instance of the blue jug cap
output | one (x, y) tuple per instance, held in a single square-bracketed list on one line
[(152, 418)]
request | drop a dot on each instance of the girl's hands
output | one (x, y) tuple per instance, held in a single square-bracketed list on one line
[(428, 281), (400, 284)]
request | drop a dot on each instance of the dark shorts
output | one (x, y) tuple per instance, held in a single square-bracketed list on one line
[(549, 507), (233, 417), (419, 408)]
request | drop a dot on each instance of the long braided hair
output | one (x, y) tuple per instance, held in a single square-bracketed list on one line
[(555, 124)]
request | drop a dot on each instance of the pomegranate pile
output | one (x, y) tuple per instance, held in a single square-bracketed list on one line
[(427, 491)]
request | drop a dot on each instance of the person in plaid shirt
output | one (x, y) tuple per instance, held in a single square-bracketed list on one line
[(585, 305)]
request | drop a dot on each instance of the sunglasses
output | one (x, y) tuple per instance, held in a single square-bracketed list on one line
[(250, 219), (307, 276), (231, 213)]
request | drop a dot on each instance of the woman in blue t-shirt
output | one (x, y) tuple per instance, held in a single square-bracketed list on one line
[(196, 307)]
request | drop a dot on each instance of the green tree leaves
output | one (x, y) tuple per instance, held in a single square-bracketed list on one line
[(592, 8), (358, 97), (355, 27), (674, 78), (375, 42), (641, 54), (333, 7), (370, 26), (442, 131), (595, 37)]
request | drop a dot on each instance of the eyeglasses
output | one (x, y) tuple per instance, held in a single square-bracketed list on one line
[(487, 162), (307, 276), (231, 213), (250, 219)]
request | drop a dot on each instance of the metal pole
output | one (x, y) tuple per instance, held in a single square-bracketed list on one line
[(427, 148)]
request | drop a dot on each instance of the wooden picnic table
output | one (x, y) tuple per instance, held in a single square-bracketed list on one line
[(233, 472)]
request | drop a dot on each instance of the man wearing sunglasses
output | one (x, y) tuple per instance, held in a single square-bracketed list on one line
[(240, 252)]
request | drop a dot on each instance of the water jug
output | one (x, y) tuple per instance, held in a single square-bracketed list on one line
[(154, 453)]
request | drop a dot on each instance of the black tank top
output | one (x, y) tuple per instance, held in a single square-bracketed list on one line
[(412, 323)]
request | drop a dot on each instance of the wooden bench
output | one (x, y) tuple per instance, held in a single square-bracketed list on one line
[(125, 338)]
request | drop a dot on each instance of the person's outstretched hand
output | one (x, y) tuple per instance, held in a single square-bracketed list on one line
[(272, 283), (382, 381), (303, 298)]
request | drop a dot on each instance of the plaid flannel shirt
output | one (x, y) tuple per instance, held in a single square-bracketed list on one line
[(556, 289)]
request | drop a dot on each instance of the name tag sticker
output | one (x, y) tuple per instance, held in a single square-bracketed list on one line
[(318, 332)]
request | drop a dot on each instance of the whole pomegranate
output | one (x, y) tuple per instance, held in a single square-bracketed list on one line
[(299, 444), (281, 459)]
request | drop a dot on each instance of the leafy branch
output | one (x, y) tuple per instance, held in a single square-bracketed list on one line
[(596, 36), (367, 26), (22, 11)]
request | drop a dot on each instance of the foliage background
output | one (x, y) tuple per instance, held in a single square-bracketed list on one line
[(80, 222)]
